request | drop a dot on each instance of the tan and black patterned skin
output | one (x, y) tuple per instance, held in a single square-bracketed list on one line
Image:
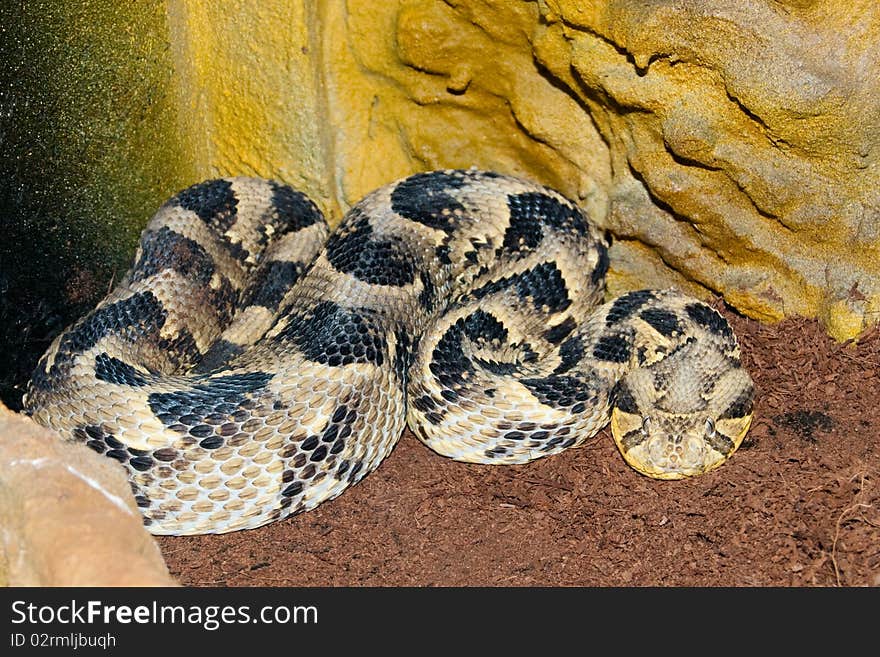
[(248, 367)]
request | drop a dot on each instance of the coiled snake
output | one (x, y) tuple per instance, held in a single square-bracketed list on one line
[(247, 367)]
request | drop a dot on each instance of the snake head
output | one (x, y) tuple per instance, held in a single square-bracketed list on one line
[(663, 437)]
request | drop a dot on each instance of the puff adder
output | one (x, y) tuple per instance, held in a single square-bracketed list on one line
[(251, 365)]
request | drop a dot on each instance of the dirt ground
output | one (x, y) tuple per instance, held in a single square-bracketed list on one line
[(797, 505)]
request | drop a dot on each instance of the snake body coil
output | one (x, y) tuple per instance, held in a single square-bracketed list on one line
[(248, 367)]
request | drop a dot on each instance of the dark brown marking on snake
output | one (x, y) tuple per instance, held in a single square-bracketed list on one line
[(339, 414), (709, 319), (293, 489), (663, 321), (524, 231), (428, 295), (426, 199), (424, 403), (403, 354), (319, 454), (612, 348), (330, 433), (623, 399), (96, 438), (602, 264), (141, 463), (355, 471), (624, 306), (550, 211), (181, 350), (167, 249), (719, 442), (218, 356), (435, 417), (165, 454), (203, 431), (429, 407), (271, 282), (222, 394), (356, 251), (137, 317), (571, 352), (558, 333), (442, 253), (449, 363), (336, 336), (223, 299), (120, 455), (338, 428), (560, 391), (481, 327), (741, 406), (449, 395), (543, 284), (93, 444), (295, 209), (551, 444), (496, 367), (112, 370), (213, 201), (632, 438), (227, 429)]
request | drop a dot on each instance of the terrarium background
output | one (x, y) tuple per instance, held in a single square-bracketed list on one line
[(729, 148)]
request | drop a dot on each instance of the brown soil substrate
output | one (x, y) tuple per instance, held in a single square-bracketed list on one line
[(797, 505)]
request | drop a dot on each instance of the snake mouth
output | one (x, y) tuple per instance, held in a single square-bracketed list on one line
[(673, 457)]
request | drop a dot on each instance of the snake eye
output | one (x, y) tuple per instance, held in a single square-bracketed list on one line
[(710, 427), (646, 424)]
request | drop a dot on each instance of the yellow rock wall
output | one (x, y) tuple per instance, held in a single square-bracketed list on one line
[(729, 147), (744, 143), (249, 82)]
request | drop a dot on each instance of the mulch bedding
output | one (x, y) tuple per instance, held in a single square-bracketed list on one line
[(797, 505)]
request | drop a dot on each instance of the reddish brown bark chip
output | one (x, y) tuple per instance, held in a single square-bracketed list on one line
[(798, 504)]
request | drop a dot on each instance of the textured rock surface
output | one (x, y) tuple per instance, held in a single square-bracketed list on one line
[(739, 139), (68, 516), (744, 138)]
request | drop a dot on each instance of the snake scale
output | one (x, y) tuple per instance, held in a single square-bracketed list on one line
[(251, 364)]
